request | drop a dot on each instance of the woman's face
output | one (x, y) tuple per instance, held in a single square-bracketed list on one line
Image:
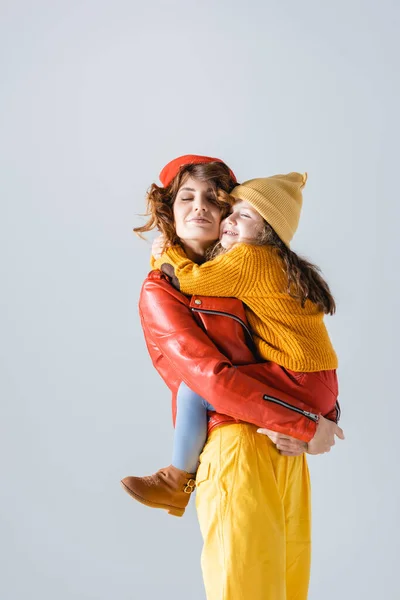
[(197, 217), (243, 224)]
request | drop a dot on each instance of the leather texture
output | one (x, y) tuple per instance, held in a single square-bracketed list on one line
[(198, 340), (169, 489)]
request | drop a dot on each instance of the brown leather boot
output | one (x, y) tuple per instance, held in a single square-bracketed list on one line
[(169, 488)]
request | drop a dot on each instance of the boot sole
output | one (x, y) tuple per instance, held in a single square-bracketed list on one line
[(172, 510)]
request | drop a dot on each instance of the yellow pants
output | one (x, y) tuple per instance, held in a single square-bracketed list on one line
[(253, 506)]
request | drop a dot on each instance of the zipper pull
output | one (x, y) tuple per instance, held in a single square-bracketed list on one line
[(311, 415)]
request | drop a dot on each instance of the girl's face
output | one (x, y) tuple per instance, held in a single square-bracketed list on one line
[(197, 217), (243, 224)]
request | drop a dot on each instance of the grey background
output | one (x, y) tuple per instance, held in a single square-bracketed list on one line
[(95, 98)]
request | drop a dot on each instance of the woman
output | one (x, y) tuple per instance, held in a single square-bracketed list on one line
[(253, 501)]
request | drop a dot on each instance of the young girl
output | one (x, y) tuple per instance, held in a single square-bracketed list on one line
[(286, 299)]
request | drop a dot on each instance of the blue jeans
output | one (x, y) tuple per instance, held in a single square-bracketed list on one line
[(190, 429)]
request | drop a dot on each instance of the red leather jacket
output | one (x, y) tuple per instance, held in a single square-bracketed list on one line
[(198, 340)]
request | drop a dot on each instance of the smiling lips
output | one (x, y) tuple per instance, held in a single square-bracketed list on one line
[(229, 232)]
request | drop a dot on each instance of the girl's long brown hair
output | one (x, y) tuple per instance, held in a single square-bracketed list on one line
[(160, 200), (304, 280)]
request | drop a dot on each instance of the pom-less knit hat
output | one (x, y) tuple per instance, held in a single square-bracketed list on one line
[(278, 199), (171, 170)]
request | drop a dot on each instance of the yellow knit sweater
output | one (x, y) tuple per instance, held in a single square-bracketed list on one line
[(284, 332)]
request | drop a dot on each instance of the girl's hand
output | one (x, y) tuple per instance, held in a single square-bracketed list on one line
[(286, 445), (158, 245)]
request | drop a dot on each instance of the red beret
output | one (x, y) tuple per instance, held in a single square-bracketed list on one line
[(172, 168)]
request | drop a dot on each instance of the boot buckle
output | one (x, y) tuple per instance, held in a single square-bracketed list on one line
[(189, 487)]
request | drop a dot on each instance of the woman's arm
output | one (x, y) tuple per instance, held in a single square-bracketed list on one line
[(169, 325)]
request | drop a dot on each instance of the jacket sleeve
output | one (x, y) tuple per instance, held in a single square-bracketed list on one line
[(170, 325)]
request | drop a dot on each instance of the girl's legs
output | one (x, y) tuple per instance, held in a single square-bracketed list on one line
[(170, 488), (190, 429), (253, 506)]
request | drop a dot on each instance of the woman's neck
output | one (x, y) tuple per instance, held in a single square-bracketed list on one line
[(194, 250)]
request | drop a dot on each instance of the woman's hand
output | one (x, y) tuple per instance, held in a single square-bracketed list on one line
[(158, 246), (286, 445), (324, 437)]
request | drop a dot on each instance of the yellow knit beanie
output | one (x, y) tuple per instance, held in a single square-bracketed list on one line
[(278, 199)]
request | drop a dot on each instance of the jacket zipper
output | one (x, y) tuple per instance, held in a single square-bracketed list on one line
[(235, 318), (306, 413), (338, 411)]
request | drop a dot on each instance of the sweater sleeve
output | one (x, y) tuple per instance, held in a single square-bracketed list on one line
[(227, 275)]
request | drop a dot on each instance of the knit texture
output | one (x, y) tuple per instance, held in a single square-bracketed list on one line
[(278, 199), (284, 332)]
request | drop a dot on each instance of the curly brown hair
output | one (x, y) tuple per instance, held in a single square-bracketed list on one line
[(160, 200), (304, 279)]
